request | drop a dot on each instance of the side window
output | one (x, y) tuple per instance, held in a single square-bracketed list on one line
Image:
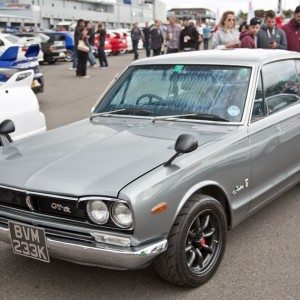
[(1, 43), (298, 73), (280, 85), (258, 107)]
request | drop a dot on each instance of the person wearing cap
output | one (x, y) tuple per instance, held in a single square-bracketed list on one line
[(270, 36), (248, 38), (189, 36), (226, 37), (292, 31)]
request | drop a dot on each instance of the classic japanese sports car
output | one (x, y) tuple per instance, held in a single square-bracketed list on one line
[(180, 149)]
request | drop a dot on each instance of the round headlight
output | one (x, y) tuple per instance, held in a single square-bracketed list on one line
[(122, 215), (97, 211)]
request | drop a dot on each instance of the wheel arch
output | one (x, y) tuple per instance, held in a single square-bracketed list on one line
[(210, 188)]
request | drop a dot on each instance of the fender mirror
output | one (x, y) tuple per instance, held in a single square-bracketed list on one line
[(185, 143), (6, 127)]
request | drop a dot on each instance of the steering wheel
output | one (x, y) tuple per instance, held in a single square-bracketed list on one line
[(150, 99)]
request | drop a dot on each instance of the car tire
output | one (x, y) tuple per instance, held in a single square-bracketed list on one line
[(201, 223)]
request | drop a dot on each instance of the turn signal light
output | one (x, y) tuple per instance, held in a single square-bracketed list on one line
[(161, 207)]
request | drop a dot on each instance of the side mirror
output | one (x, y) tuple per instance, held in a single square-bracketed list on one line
[(185, 143), (6, 127)]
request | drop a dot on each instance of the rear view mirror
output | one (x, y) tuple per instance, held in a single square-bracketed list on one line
[(6, 127)]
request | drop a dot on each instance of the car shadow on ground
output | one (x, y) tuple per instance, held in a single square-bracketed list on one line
[(59, 279)]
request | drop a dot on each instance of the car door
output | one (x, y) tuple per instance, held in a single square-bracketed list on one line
[(274, 131)]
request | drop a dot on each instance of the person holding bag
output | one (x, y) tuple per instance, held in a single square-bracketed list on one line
[(82, 53)]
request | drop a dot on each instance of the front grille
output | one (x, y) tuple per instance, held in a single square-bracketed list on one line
[(47, 205), (13, 198), (43, 204)]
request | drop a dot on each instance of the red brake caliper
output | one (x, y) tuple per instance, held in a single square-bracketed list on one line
[(202, 242)]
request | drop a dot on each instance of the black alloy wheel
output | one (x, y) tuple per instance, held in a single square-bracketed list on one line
[(202, 242), (196, 243)]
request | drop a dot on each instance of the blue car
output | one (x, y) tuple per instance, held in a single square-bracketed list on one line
[(69, 41), (9, 60)]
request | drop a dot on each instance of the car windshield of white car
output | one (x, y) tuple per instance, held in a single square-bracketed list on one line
[(168, 90)]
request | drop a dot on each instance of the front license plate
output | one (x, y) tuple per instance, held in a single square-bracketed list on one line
[(28, 241)]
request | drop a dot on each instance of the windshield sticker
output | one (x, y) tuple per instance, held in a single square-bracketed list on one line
[(233, 111), (178, 69)]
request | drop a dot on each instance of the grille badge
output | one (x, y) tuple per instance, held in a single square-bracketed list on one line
[(28, 202)]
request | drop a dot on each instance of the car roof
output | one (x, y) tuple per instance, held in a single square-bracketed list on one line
[(244, 57)]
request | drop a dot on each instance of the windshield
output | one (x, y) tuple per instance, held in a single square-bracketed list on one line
[(181, 89), (12, 38)]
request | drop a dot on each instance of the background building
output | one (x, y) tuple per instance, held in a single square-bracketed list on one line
[(202, 14), (47, 13)]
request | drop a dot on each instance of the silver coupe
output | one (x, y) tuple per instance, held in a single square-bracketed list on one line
[(178, 150)]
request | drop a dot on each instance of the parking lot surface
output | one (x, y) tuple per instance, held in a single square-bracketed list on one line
[(262, 259)]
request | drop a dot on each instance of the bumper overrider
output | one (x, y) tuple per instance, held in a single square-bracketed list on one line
[(79, 243)]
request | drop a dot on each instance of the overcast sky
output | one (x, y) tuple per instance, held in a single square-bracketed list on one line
[(235, 5)]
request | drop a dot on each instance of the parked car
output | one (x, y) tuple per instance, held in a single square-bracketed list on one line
[(27, 39), (54, 46), (69, 42), (19, 104), (10, 59), (180, 149)]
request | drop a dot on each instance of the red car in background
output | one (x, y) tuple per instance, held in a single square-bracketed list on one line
[(107, 46), (118, 42)]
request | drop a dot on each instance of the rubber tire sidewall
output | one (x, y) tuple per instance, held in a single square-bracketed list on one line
[(182, 275)]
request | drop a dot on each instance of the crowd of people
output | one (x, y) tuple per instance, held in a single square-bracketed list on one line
[(84, 39), (185, 35)]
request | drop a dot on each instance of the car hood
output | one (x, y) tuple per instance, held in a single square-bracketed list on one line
[(93, 158)]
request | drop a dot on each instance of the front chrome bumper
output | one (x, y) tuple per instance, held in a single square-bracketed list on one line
[(102, 255)]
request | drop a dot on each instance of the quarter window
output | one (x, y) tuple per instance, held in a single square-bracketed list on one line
[(281, 87), (258, 107)]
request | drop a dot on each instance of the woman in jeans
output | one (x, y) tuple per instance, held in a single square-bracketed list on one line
[(82, 56)]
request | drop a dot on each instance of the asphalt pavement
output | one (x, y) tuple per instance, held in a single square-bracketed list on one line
[(262, 259)]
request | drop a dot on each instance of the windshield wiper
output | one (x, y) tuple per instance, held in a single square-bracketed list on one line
[(199, 116), (125, 111)]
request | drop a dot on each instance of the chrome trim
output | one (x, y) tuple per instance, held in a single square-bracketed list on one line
[(88, 198), (38, 193), (112, 257)]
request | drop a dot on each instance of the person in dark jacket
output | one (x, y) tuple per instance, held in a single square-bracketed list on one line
[(101, 53), (292, 31), (248, 38), (147, 39), (269, 35), (135, 38), (82, 56), (79, 26), (157, 38), (189, 36)]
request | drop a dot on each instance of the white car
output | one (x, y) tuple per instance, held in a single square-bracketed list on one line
[(8, 40), (19, 103)]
